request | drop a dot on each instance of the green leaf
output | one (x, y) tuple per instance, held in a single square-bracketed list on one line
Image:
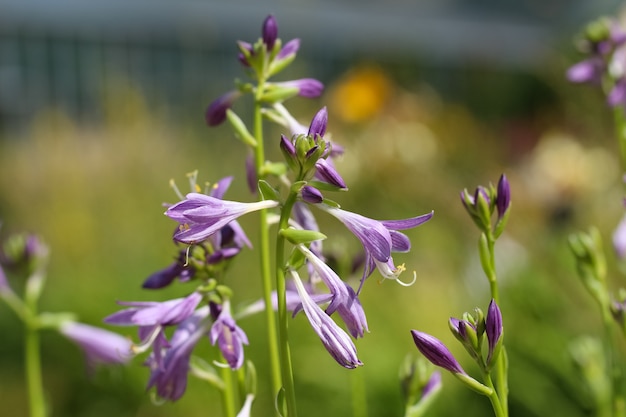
[(267, 191), (297, 236)]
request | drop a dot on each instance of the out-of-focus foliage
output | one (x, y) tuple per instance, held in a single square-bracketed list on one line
[(95, 194)]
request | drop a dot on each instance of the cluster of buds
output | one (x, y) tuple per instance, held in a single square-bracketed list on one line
[(484, 202), (471, 330), (24, 258), (603, 41)]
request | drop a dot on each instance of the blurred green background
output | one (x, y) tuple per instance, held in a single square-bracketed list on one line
[(97, 115)]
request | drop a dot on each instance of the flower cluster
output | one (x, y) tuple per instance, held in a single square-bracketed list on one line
[(603, 41)]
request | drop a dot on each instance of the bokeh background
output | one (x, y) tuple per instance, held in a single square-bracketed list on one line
[(101, 104)]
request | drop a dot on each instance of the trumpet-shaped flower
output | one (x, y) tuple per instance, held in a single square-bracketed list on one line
[(99, 345), (200, 215), (169, 373), (335, 340), (379, 239), (229, 337)]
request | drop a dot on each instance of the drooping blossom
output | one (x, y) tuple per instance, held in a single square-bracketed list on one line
[(201, 215), (99, 345), (379, 238), (335, 340), (169, 369), (229, 337)]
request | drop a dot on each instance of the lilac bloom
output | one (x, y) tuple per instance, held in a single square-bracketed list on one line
[(216, 112), (436, 352), (587, 71), (169, 375), (99, 345), (229, 337), (335, 340), (201, 215), (307, 87), (379, 239)]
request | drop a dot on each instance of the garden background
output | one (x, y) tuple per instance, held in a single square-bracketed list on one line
[(101, 104)]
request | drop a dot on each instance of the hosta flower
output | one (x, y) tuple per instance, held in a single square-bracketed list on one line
[(307, 87), (99, 345), (493, 329), (436, 352), (201, 215), (229, 337), (379, 238), (335, 340), (169, 372), (216, 112)]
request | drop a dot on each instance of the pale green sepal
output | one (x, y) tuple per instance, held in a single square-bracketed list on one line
[(267, 191), (203, 370), (278, 65), (273, 168), (485, 254), (54, 320), (296, 260), (250, 382), (331, 203), (241, 131), (275, 94), (297, 186), (473, 384), (501, 223), (298, 236), (324, 186)]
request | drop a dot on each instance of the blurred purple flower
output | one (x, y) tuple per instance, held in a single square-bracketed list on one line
[(216, 112), (493, 328), (270, 32), (307, 87), (619, 238), (503, 196), (99, 345)]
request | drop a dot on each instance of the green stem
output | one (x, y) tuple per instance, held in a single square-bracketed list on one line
[(265, 255), (613, 366), (493, 397), (620, 126), (359, 397), (228, 393), (33, 366), (286, 367)]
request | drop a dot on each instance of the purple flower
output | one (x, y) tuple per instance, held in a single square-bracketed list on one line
[(99, 345), (318, 124), (201, 215), (270, 32), (379, 239), (326, 172), (436, 352), (216, 112), (179, 269), (587, 71), (311, 195), (228, 336), (503, 198), (307, 87), (289, 49), (353, 315), (169, 373), (493, 329), (433, 385), (335, 340)]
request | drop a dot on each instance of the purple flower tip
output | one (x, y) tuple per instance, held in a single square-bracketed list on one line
[(216, 112), (436, 352), (270, 32), (503, 198), (311, 195), (319, 122), (493, 324)]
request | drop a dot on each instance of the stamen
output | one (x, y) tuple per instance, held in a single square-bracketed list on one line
[(176, 190), (408, 284), (193, 184)]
